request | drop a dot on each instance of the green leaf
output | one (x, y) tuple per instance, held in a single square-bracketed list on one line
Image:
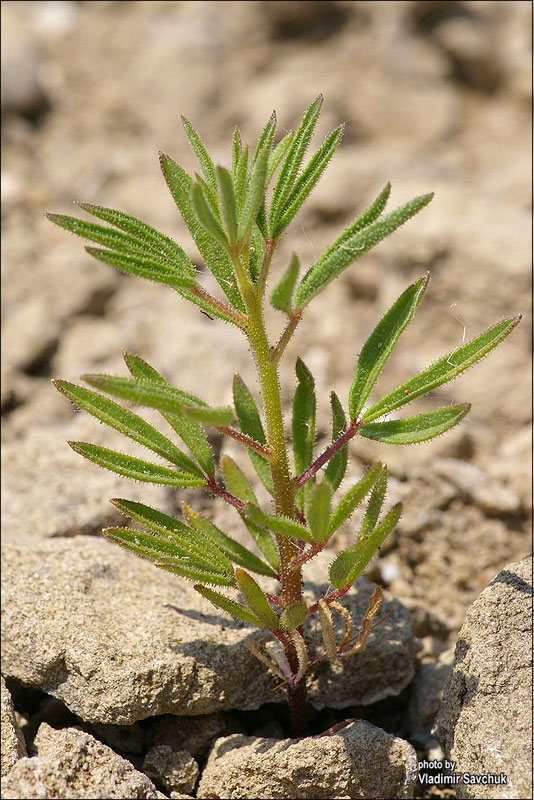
[(282, 296), (337, 466), (143, 267), (278, 154), (240, 179), (190, 543), (187, 569), (374, 505), (230, 606), (416, 429), (206, 216), (114, 240), (379, 346), (318, 509), (293, 616), (190, 432), (256, 599), (353, 498), (264, 541), (144, 544), (254, 195), (443, 370), (210, 416), (250, 423), (303, 424), (256, 252), (278, 524), (227, 204), (291, 165), (199, 149), (141, 231), (237, 149), (235, 551), (135, 468), (332, 264), (266, 138), (126, 422), (214, 254), (349, 565), (144, 392), (310, 176), (235, 480)]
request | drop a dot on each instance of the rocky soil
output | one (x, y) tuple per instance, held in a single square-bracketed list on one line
[(123, 683)]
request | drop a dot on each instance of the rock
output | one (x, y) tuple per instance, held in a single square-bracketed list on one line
[(426, 691), (194, 734), (69, 495), (485, 719), (22, 89), (119, 640), (175, 770), (477, 486), (122, 738), (358, 761), (71, 764), (13, 746)]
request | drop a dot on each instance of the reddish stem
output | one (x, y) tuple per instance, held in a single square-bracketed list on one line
[(263, 450), (330, 451), (213, 487), (330, 598)]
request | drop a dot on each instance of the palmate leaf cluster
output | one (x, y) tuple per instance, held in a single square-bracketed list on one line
[(236, 216)]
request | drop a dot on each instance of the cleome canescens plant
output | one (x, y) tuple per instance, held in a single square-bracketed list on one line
[(236, 222)]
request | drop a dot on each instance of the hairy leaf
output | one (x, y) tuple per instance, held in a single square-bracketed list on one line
[(443, 370), (205, 214), (135, 468), (278, 154), (353, 498), (318, 510), (278, 524), (303, 424), (349, 565), (126, 422), (230, 606), (310, 176), (337, 466), (254, 194), (250, 423), (227, 203), (293, 616), (143, 267), (332, 264), (282, 295), (204, 159), (186, 569), (235, 480), (416, 429), (379, 346), (256, 599), (374, 505), (266, 138), (264, 541)]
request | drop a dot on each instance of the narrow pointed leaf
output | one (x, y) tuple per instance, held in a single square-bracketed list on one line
[(240, 179), (235, 551), (278, 154), (278, 524), (135, 468), (190, 543), (266, 138), (206, 216), (282, 295), (149, 236), (145, 544), (199, 149), (416, 429), (353, 498), (237, 149), (292, 163), (256, 252), (310, 176), (349, 565), (337, 466), (210, 416), (236, 481), (213, 253), (293, 616), (443, 370), (254, 195), (303, 423), (318, 510), (144, 392), (190, 432), (230, 606), (227, 203), (143, 267), (188, 569), (109, 238), (264, 541), (126, 422), (256, 599), (379, 346), (374, 505), (330, 266), (250, 423)]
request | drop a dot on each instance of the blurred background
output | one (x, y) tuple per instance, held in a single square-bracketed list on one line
[(435, 96)]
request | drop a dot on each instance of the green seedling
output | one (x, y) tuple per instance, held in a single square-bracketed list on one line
[(236, 216)]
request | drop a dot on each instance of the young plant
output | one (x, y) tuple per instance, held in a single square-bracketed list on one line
[(236, 222)]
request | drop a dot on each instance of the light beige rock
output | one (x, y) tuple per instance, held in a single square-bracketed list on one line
[(175, 770), (426, 693), (12, 740), (119, 640), (485, 720), (70, 764), (479, 487), (194, 734), (359, 761)]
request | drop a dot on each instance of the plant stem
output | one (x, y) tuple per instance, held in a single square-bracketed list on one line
[(288, 332), (327, 454)]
